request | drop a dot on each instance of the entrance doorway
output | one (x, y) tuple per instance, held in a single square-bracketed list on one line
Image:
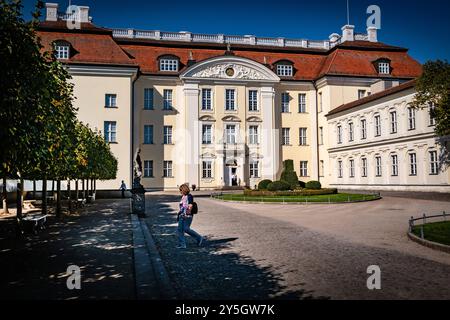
[(231, 177)]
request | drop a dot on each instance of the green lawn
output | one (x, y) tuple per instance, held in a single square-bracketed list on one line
[(437, 232), (341, 197)]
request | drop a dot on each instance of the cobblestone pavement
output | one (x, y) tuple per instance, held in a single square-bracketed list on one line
[(99, 241), (298, 252)]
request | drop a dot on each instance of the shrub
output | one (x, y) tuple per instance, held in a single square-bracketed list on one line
[(264, 184), (279, 186), (313, 185), (302, 184), (289, 175), (304, 192)]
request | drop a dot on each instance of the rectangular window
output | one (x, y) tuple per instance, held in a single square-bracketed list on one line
[(284, 70), (285, 102), (148, 99), (321, 136), (393, 122), (363, 129), (432, 113), (148, 134), (206, 99), (384, 68), (340, 170), (285, 136), (110, 131), (339, 134), (253, 135), (167, 134), (254, 169), (168, 65), (350, 132), (320, 102), (230, 104), (62, 52), (352, 168), (303, 168), (377, 126), (167, 169), (110, 100), (379, 171), (207, 169), (322, 169), (361, 94), (207, 134), (434, 164), (412, 164), (253, 100), (394, 163), (231, 133), (303, 138), (148, 169), (364, 167), (411, 119), (168, 95), (302, 103)]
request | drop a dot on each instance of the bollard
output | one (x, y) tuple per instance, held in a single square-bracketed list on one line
[(424, 218), (421, 232), (445, 217), (411, 224)]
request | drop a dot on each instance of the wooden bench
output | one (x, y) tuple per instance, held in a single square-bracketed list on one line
[(34, 222)]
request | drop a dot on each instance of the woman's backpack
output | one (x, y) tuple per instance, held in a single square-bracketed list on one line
[(194, 209)]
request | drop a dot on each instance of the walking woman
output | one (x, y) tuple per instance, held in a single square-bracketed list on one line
[(185, 218)]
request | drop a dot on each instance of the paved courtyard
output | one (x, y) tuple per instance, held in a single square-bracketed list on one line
[(297, 252)]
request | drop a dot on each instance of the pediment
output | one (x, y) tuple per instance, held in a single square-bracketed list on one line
[(208, 155), (207, 118), (254, 119), (230, 68), (231, 119)]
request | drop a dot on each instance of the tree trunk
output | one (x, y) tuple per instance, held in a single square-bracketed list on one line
[(34, 189), (58, 198), (22, 191), (53, 188), (19, 201), (76, 190), (83, 190), (95, 188), (87, 191), (69, 196), (4, 196), (44, 196)]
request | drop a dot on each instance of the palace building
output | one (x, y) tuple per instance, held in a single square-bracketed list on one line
[(220, 110)]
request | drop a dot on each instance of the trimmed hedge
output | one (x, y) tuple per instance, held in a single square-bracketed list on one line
[(302, 184), (304, 192), (314, 185), (264, 184), (289, 175), (279, 186)]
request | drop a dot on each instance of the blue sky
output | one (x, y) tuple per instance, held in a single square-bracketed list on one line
[(422, 26)]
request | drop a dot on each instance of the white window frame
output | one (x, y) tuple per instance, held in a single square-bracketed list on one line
[(377, 120), (363, 129), (384, 68), (110, 100), (378, 166), (320, 136), (339, 134), (285, 105), (207, 139), (149, 95), (168, 65), (253, 134), (167, 99), (303, 136), (148, 168), (167, 133), (254, 169), (340, 169), (110, 134), (207, 99), (207, 169), (230, 99), (412, 163), (432, 113), (361, 94), (167, 169), (285, 70), (62, 51), (231, 133), (394, 127), (351, 132), (434, 162), (286, 136), (253, 101), (394, 165), (364, 172), (304, 169), (302, 103), (411, 118), (148, 134), (352, 168)]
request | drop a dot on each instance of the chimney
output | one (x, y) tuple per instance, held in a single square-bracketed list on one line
[(84, 13), (348, 33), (51, 12), (372, 33)]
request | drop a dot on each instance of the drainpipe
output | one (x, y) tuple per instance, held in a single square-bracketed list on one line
[(132, 127)]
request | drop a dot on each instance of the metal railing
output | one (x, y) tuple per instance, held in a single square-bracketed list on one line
[(220, 38), (424, 220)]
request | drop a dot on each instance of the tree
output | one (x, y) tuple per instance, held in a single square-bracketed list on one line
[(433, 89), (289, 175)]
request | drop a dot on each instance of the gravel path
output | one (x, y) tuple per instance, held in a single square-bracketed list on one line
[(298, 252)]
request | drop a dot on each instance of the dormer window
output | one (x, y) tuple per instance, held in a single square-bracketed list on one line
[(169, 64), (383, 66), (284, 68), (62, 50)]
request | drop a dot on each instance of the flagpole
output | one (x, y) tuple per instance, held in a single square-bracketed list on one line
[(348, 13)]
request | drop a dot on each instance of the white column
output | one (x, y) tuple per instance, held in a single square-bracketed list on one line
[(192, 146), (270, 136), (314, 141)]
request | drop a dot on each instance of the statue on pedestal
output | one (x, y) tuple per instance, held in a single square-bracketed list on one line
[(138, 190)]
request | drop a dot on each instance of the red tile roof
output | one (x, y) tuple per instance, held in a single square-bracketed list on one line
[(96, 45), (404, 86)]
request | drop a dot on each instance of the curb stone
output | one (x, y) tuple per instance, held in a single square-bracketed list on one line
[(429, 244)]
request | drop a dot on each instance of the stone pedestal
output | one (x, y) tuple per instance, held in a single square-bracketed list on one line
[(138, 199)]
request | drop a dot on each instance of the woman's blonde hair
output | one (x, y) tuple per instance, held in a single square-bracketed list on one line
[(185, 189)]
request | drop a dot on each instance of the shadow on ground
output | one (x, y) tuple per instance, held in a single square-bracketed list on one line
[(98, 240), (214, 271)]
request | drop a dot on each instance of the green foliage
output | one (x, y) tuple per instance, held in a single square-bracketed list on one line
[(289, 175), (313, 185), (302, 184), (264, 184), (298, 193), (279, 186)]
